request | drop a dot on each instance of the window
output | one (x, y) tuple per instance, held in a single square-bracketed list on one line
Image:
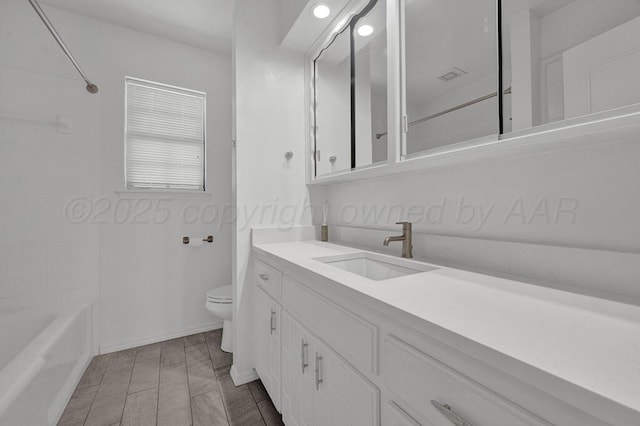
[(165, 137)]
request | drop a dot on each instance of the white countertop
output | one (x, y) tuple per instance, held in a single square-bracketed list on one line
[(592, 343)]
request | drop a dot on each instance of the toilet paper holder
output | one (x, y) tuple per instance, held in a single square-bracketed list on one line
[(207, 239)]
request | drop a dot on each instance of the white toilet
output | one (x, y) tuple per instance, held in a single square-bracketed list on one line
[(220, 303)]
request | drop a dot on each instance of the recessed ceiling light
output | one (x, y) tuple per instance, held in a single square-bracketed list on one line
[(365, 30), (321, 11)]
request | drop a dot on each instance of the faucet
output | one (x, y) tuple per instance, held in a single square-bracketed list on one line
[(406, 239)]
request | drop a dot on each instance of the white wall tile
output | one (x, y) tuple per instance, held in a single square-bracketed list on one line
[(37, 175), (11, 253)]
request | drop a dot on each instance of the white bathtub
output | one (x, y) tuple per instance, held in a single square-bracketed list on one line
[(42, 356)]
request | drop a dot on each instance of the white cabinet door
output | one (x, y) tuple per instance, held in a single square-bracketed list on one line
[(297, 374), (319, 388), (267, 329), (343, 396)]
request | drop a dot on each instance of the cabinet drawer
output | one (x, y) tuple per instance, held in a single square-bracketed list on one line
[(269, 279), (350, 336), (438, 393)]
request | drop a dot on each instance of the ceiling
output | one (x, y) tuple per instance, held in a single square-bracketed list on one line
[(206, 24)]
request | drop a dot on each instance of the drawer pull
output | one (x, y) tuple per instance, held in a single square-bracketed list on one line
[(303, 350), (273, 321), (318, 371), (264, 277), (446, 411)]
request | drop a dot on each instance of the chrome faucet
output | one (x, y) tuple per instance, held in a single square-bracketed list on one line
[(406, 238)]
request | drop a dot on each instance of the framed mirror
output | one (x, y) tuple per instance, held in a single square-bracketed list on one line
[(332, 106), (451, 73), (349, 81), (369, 34)]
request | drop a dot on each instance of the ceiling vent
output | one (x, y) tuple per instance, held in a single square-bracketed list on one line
[(451, 74)]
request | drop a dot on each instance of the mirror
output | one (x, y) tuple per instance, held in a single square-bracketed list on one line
[(350, 94), (370, 51), (569, 58), (451, 72), (332, 106)]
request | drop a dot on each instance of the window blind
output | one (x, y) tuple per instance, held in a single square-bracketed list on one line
[(165, 137)]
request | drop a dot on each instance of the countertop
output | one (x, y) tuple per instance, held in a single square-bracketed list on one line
[(589, 342)]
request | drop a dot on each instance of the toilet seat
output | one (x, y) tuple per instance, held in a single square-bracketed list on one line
[(220, 295)]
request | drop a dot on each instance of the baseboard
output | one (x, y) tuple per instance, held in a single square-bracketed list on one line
[(160, 338), (244, 377)]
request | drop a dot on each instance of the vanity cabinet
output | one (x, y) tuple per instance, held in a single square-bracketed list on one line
[(328, 359), (267, 331)]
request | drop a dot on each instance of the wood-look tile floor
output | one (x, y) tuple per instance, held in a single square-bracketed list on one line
[(180, 382)]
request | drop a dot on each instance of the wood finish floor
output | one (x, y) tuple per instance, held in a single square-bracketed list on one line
[(180, 382)]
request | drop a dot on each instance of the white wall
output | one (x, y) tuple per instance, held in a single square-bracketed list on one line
[(513, 214), (270, 116), (582, 20), (602, 73), (150, 286)]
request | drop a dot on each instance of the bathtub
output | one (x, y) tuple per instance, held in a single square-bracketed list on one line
[(42, 357)]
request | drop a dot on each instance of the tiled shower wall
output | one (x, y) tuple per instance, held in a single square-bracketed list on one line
[(49, 133)]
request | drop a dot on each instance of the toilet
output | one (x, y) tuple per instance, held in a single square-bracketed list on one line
[(220, 303)]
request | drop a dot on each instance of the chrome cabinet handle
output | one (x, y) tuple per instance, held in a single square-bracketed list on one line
[(303, 349), (318, 371), (264, 277), (273, 321), (446, 411)]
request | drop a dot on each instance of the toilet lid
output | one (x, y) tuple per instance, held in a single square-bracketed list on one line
[(220, 294)]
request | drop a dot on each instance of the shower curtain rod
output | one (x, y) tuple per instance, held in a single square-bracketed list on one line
[(447, 111), (91, 88)]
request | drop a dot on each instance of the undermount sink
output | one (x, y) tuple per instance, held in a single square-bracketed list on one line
[(375, 267)]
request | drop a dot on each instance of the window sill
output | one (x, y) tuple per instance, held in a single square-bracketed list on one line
[(132, 194)]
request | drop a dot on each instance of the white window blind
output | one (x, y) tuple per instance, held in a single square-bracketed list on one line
[(165, 137)]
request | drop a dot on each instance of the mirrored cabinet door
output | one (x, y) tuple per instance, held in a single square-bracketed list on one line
[(451, 72), (369, 34), (350, 94), (567, 59), (332, 106)]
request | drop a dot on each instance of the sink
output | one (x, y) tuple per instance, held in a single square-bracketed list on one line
[(375, 267)]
